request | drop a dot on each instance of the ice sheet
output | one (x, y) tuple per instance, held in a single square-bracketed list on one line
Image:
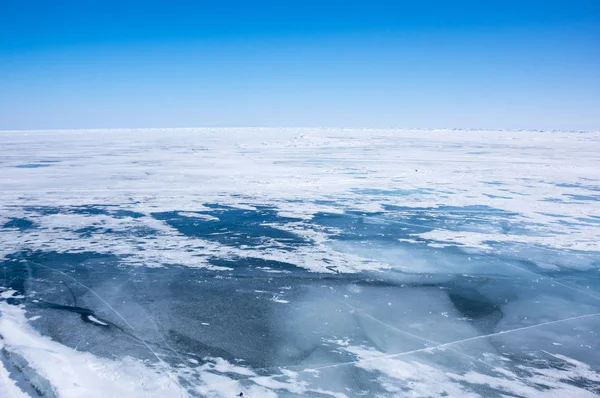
[(299, 262)]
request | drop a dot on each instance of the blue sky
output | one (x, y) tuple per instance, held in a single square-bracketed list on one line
[(466, 64)]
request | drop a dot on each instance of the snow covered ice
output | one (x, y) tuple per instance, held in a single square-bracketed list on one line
[(299, 262)]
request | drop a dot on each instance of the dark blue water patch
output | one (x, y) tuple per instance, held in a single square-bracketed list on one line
[(21, 224), (98, 231), (43, 210), (512, 192), (107, 210), (90, 210), (573, 225), (567, 223), (554, 200), (322, 202), (404, 222), (496, 196), (54, 259), (17, 268), (492, 182), (583, 197), (217, 206), (235, 227), (32, 165), (125, 213), (566, 185), (579, 186), (590, 220)]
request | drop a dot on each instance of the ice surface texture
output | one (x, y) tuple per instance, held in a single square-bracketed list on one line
[(299, 262)]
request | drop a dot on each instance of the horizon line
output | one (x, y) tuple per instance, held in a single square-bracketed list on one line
[(304, 128)]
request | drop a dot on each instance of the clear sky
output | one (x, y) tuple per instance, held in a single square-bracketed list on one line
[(467, 64)]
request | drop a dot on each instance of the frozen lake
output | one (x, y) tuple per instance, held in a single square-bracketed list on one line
[(299, 262)]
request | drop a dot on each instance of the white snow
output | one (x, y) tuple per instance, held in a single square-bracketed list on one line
[(8, 387), (75, 374), (424, 379), (7, 293), (96, 320)]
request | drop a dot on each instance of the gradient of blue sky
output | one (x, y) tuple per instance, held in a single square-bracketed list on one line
[(470, 64)]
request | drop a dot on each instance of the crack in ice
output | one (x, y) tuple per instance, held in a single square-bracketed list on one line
[(399, 354)]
